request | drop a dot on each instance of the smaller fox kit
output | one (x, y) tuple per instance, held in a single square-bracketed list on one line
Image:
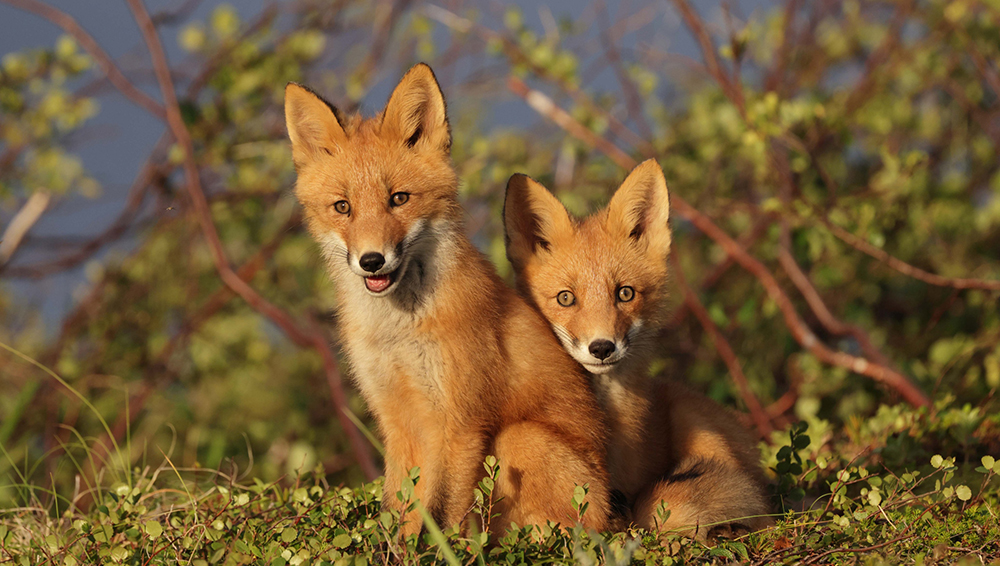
[(453, 363), (600, 283)]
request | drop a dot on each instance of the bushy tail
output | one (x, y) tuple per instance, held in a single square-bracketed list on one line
[(704, 498)]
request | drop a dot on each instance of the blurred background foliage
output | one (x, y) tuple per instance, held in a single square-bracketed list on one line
[(851, 147)]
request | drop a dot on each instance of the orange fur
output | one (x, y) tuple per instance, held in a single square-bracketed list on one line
[(453, 364), (667, 443)]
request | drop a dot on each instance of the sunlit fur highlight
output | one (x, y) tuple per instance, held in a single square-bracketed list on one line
[(667, 443), (452, 363)]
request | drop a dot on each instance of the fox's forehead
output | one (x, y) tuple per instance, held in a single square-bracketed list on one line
[(593, 261), (367, 162)]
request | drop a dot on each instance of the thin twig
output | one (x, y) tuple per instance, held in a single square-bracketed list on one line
[(107, 65), (545, 106), (633, 99), (775, 76), (304, 338), (136, 197), (905, 268), (877, 60), (515, 54), (757, 412), (733, 89), (18, 227), (746, 240), (819, 308)]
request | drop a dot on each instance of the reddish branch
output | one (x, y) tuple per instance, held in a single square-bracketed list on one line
[(905, 268), (218, 299), (108, 67), (802, 334), (732, 88), (776, 75), (757, 412), (302, 337), (514, 52), (546, 107), (819, 308), (747, 240), (633, 99), (877, 59)]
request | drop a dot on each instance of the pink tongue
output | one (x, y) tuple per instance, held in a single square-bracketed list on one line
[(377, 284)]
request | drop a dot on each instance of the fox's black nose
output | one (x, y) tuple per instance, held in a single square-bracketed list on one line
[(601, 349), (371, 262)]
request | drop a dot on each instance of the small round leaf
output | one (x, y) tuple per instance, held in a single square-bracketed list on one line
[(963, 492)]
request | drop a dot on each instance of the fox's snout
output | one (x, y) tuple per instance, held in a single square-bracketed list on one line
[(371, 262), (598, 352), (601, 348), (367, 262)]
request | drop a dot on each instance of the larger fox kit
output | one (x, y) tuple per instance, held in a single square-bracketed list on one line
[(453, 364), (600, 283)]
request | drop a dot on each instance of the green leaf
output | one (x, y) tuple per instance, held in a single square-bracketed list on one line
[(963, 492), (153, 528), (722, 551), (342, 541), (288, 534)]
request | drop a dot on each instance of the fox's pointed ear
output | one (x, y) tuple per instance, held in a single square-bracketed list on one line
[(416, 113), (640, 209), (532, 219), (313, 124)]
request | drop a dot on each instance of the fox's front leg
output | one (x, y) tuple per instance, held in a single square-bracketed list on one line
[(467, 448), (398, 461), (413, 438)]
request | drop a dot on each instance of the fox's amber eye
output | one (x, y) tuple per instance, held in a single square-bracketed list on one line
[(342, 206), (625, 293), (399, 199), (565, 298)]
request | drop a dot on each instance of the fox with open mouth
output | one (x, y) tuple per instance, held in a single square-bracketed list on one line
[(452, 362)]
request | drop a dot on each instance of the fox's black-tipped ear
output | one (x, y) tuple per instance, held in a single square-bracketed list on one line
[(416, 114), (640, 208), (533, 218), (313, 124)]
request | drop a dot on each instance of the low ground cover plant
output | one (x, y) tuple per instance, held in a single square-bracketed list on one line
[(839, 497)]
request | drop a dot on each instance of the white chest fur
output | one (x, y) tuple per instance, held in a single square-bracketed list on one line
[(385, 344)]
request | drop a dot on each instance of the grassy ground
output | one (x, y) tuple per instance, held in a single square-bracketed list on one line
[(839, 509)]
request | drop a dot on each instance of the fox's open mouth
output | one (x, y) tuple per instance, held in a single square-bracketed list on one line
[(380, 283), (600, 367)]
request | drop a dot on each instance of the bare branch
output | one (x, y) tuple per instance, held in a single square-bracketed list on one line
[(513, 52), (732, 88), (777, 72), (905, 268), (107, 65), (136, 196), (877, 59), (757, 412), (21, 223), (304, 338), (541, 103), (819, 308)]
